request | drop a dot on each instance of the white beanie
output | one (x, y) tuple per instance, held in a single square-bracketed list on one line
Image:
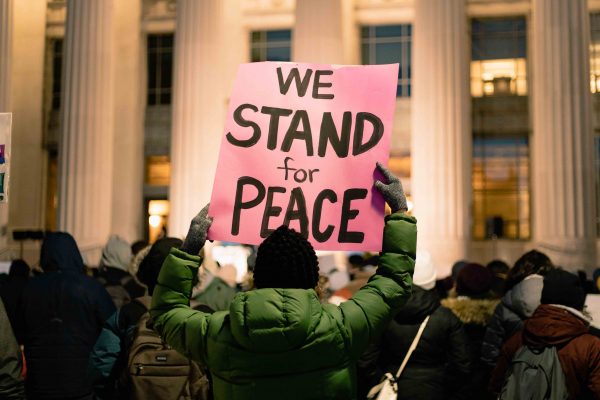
[(425, 273)]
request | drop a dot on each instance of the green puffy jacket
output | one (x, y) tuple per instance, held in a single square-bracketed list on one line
[(283, 343)]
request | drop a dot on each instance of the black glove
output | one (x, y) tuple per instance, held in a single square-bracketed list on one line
[(392, 191), (196, 236)]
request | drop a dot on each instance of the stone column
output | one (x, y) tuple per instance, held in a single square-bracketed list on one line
[(128, 175), (441, 130), (325, 32), (562, 146), (207, 39), (86, 147)]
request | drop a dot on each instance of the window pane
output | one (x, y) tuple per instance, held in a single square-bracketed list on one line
[(284, 35), (389, 44), (271, 45), (388, 31), (279, 54), (160, 68)]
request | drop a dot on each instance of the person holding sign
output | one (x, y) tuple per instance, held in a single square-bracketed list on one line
[(279, 341)]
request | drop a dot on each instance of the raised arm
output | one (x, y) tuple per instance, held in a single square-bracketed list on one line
[(182, 327), (369, 311)]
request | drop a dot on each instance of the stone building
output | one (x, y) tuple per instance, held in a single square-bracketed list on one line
[(118, 109)]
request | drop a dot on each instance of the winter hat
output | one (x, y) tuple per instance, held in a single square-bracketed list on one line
[(564, 288), (473, 280), (116, 254), (456, 267), (151, 264), (425, 274), (286, 260)]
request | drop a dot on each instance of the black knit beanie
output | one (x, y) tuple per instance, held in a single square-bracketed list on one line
[(286, 260), (562, 287), (151, 264)]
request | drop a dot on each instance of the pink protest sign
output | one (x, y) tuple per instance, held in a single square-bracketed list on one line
[(300, 146)]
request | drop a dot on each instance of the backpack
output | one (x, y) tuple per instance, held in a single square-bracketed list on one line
[(535, 374), (156, 371), (119, 295)]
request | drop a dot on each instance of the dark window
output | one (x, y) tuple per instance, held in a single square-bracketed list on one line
[(57, 55), (501, 195), (271, 45), (389, 44), (160, 68)]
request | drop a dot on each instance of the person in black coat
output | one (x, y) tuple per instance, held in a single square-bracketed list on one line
[(439, 367), (62, 313)]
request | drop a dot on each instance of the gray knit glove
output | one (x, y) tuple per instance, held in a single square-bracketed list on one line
[(196, 236), (392, 191)]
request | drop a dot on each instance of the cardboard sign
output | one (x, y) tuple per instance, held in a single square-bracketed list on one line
[(5, 129), (300, 146)]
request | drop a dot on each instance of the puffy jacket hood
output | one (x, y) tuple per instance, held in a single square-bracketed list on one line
[(60, 253), (525, 297), (471, 311), (552, 325), (116, 254), (420, 304), (274, 320)]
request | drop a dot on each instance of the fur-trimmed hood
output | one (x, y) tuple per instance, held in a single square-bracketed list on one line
[(471, 311)]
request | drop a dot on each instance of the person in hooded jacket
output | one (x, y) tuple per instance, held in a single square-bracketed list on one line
[(525, 283), (62, 313), (278, 341), (440, 365), (114, 272), (559, 322)]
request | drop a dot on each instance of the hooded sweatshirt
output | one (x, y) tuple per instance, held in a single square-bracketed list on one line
[(62, 313), (518, 304), (578, 351), (114, 268)]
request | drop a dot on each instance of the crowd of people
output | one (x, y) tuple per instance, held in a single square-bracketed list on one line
[(147, 324)]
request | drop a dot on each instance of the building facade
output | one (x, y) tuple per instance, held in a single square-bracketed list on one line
[(119, 108)]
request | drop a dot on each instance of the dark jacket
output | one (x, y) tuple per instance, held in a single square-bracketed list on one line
[(62, 314), (283, 343), (440, 364), (517, 304), (475, 314), (11, 363), (578, 351)]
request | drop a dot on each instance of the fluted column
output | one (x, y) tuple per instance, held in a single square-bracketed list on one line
[(441, 130), (562, 146), (207, 41), (86, 152), (325, 32)]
